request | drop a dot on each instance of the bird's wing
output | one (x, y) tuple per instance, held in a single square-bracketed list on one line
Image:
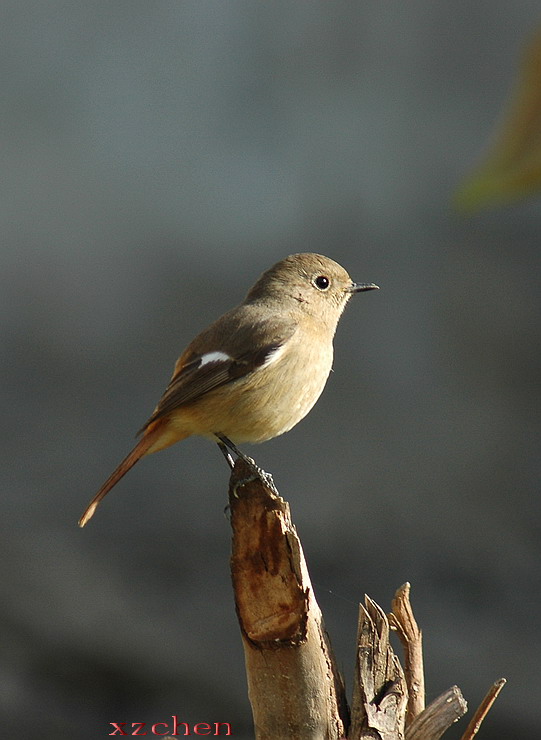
[(247, 348)]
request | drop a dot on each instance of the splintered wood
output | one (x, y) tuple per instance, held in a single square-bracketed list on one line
[(295, 688)]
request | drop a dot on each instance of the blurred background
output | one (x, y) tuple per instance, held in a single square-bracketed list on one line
[(156, 158)]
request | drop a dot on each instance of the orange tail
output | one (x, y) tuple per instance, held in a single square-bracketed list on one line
[(140, 449)]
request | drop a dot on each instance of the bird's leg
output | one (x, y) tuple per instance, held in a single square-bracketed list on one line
[(228, 457), (225, 444)]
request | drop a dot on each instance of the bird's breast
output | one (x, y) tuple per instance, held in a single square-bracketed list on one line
[(268, 401)]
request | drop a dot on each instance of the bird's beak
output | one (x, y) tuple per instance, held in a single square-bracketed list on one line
[(358, 287)]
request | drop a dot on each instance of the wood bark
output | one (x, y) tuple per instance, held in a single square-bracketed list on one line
[(294, 686), (379, 693), (402, 620), (438, 716)]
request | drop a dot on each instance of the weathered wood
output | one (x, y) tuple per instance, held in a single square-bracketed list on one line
[(482, 710), (294, 686), (379, 691), (438, 716), (402, 620)]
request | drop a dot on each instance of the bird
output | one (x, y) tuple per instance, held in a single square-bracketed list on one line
[(255, 372)]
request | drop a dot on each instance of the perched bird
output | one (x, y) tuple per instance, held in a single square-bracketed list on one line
[(257, 370)]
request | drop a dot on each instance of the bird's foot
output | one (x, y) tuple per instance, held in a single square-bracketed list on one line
[(226, 446), (258, 474)]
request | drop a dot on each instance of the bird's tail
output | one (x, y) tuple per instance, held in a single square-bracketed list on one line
[(141, 448)]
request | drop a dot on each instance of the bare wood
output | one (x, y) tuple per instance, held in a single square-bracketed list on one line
[(483, 709), (402, 620), (379, 691), (438, 716), (294, 686)]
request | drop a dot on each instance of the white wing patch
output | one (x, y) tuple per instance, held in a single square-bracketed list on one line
[(209, 357), (214, 357), (274, 355)]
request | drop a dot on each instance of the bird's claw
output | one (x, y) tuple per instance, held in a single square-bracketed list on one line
[(258, 474)]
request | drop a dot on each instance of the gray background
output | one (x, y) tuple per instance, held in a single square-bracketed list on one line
[(156, 157)]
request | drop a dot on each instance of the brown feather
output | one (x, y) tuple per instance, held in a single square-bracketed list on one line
[(243, 335), (141, 448)]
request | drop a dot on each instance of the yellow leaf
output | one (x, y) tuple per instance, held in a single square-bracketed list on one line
[(512, 168)]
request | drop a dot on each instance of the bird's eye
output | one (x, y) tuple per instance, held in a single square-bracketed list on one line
[(322, 282)]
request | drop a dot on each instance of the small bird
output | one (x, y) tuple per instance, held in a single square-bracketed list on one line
[(256, 371)]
